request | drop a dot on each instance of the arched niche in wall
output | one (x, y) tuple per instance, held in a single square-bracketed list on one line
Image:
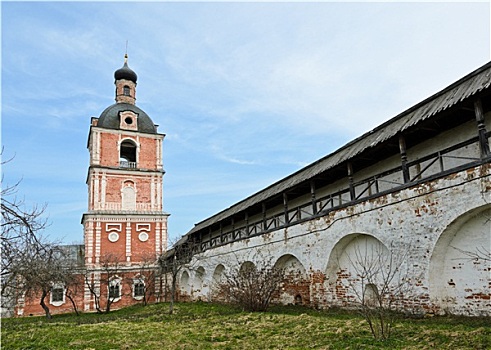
[(292, 266), (460, 265), (128, 196), (184, 285), (247, 266), (295, 288), (356, 266), (217, 283), (199, 278)]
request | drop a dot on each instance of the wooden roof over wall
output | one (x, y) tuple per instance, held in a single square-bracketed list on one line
[(457, 92)]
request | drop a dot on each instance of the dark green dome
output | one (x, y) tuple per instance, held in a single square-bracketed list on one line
[(125, 73), (109, 118)]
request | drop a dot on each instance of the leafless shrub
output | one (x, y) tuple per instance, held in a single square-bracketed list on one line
[(379, 284), (479, 253), (251, 287)]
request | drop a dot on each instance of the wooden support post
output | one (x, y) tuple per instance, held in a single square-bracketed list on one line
[(200, 241), (285, 207), (265, 223), (247, 223), (312, 195), (440, 161), (402, 149), (483, 140), (350, 178)]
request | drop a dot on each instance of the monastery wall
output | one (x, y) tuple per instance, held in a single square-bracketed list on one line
[(428, 227)]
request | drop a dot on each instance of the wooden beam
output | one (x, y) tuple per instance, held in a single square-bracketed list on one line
[(312, 196), (350, 178), (247, 222), (402, 149), (483, 140), (285, 207), (263, 208)]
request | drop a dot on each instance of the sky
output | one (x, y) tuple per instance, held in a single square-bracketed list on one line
[(246, 92)]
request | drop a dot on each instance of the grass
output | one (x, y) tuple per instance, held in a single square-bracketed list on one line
[(211, 326)]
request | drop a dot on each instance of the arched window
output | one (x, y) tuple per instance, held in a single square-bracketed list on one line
[(57, 294), (115, 289), (138, 288), (126, 90), (127, 154)]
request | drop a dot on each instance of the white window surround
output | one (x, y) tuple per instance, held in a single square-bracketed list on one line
[(134, 141), (55, 289), (143, 236), (128, 120), (114, 282), (113, 237), (113, 227), (144, 231), (136, 282)]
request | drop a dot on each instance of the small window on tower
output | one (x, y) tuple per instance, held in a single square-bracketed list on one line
[(126, 90), (128, 120)]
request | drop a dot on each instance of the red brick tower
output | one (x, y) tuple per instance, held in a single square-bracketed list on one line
[(124, 223)]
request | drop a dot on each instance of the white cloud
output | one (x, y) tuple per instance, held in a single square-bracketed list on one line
[(266, 87)]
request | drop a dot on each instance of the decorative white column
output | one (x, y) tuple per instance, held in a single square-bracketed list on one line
[(157, 239), (96, 191), (97, 241), (103, 191), (128, 241), (89, 241)]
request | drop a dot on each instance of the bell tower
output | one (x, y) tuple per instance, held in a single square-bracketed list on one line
[(125, 217)]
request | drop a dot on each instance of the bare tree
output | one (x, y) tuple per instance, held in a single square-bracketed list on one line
[(379, 283), (143, 283), (105, 284), (480, 253), (75, 287), (252, 286), (38, 270), (23, 248), (21, 228), (74, 280), (172, 262)]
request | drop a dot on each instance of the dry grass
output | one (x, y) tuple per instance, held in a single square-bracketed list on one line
[(209, 326)]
